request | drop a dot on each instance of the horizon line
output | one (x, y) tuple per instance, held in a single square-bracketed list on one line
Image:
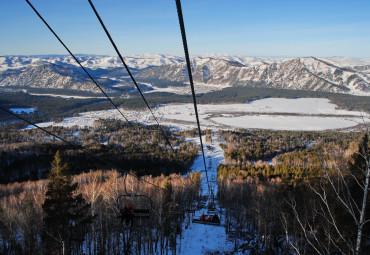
[(174, 55)]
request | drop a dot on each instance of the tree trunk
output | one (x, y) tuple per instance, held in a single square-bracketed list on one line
[(63, 248), (363, 208)]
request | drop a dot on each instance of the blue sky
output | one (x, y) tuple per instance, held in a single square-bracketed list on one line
[(237, 27)]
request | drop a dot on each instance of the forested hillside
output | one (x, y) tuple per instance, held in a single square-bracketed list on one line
[(110, 144), (308, 199)]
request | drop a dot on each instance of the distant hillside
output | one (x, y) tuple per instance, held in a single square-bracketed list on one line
[(168, 73), (310, 74), (46, 75), (89, 61)]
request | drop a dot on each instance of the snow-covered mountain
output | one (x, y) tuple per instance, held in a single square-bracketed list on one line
[(150, 60), (300, 73), (337, 74), (247, 61), (346, 61), (89, 61), (46, 75)]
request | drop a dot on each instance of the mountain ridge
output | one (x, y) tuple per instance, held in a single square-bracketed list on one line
[(305, 73)]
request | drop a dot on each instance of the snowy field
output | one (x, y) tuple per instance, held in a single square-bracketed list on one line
[(271, 113), (287, 122), (270, 105), (184, 90)]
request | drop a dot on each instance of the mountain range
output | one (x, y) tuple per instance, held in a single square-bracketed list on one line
[(337, 74)]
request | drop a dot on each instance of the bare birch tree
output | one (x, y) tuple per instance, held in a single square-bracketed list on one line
[(343, 199)]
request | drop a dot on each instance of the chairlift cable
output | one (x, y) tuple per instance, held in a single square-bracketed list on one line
[(185, 45), (131, 76), (88, 74), (129, 72), (75, 146), (78, 62)]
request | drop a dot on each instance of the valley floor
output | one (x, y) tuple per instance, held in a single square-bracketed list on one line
[(309, 114)]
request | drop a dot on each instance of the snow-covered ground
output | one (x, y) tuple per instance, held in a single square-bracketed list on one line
[(87, 119), (288, 122), (183, 90), (269, 105), (214, 156), (270, 113), (199, 238)]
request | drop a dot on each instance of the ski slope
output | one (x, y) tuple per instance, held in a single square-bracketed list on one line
[(199, 238)]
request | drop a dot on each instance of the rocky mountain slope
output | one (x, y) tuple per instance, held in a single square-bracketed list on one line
[(299, 73), (47, 76), (337, 74)]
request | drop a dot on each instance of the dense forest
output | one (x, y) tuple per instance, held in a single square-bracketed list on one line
[(310, 199), (110, 144), (283, 154)]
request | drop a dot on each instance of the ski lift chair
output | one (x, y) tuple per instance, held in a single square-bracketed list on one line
[(212, 212), (205, 222), (141, 204)]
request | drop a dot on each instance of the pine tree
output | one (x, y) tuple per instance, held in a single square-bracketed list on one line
[(66, 214)]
